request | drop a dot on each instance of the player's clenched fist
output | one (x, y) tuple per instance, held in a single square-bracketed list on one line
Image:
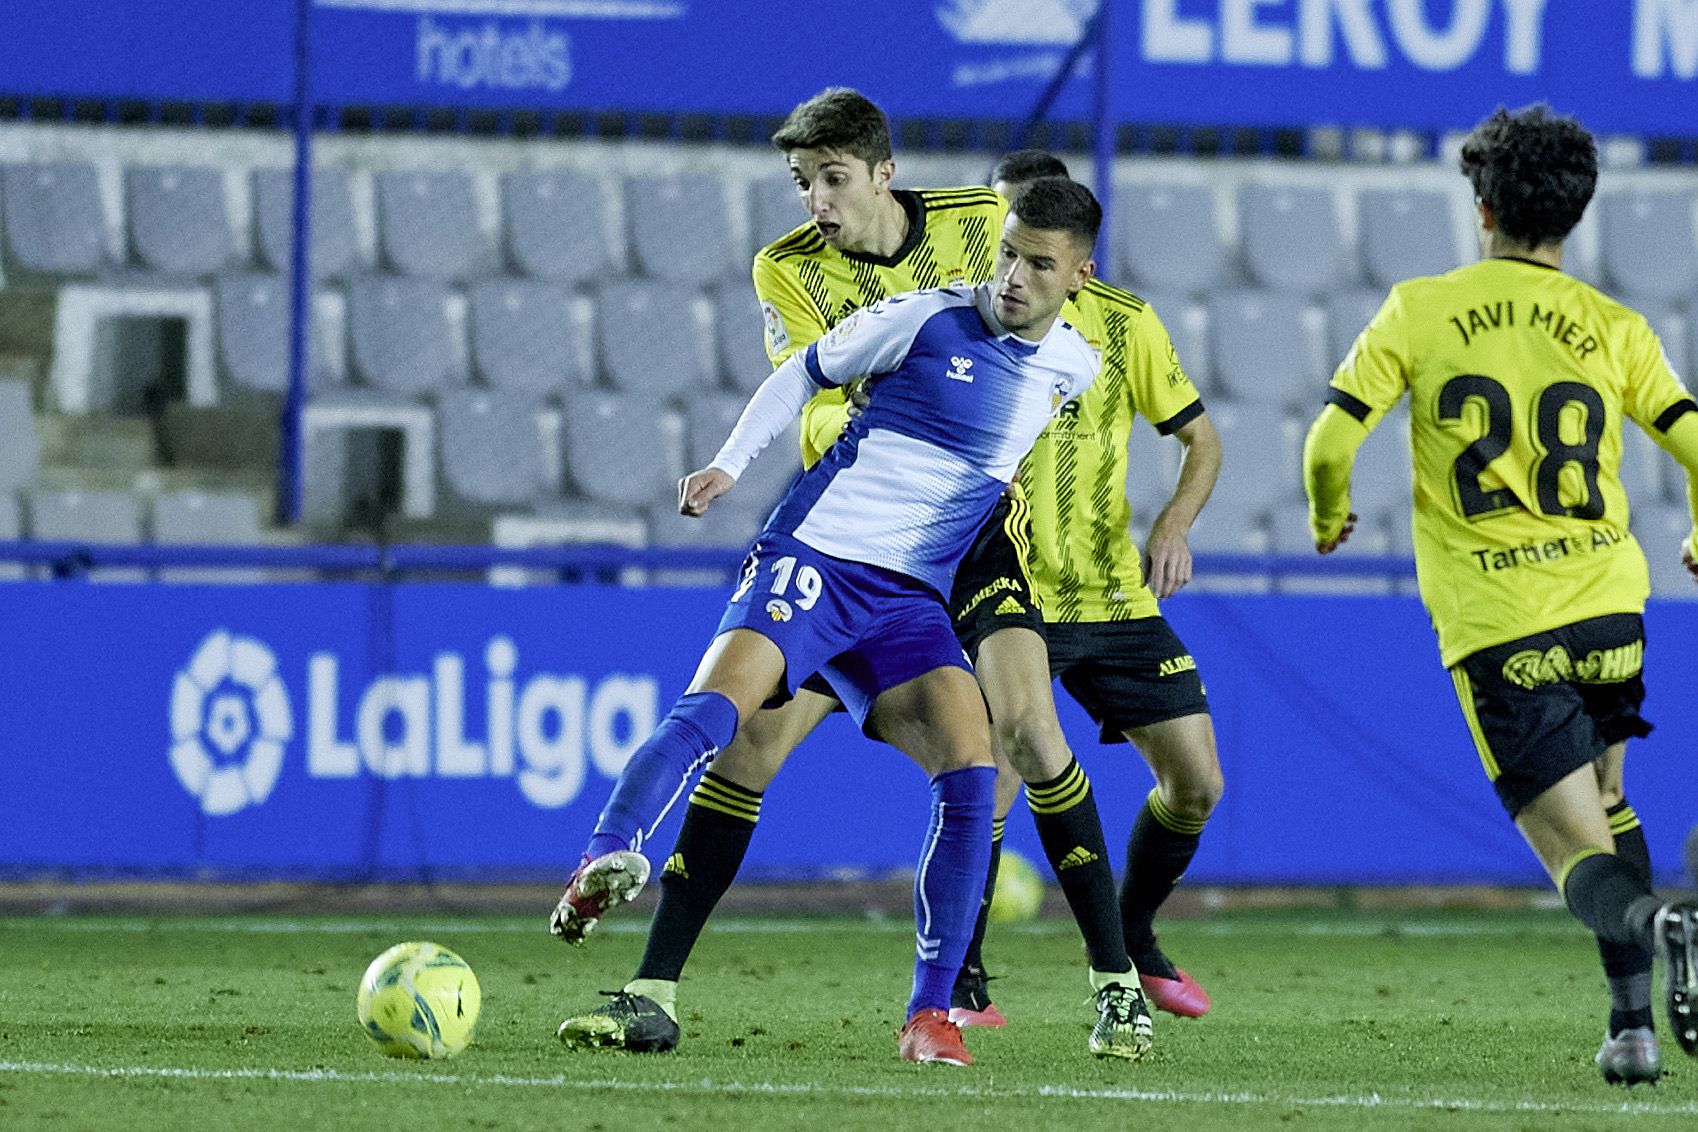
[(698, 489)]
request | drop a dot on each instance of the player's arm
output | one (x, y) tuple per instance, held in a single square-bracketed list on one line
[(1661, 405), (1167, 551), (1160, 389), (794, 321), (1367, 383), (873, 340)]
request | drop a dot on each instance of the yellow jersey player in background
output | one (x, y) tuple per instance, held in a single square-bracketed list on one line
[(1108, 643), (866, 241), (1520, 378)]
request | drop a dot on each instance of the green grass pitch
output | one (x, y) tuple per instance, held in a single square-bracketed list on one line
[(1326, 1020)]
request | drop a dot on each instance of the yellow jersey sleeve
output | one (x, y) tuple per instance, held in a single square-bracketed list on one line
[(1159, 386), (1652, 395), (1375, 373), (792, 320)]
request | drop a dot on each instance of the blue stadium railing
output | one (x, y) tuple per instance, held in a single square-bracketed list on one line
[(396, 561)]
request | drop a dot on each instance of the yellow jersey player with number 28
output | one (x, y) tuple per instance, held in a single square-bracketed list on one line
[(1520, 379)]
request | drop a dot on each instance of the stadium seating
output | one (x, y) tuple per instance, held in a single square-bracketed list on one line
[(88, 517), (1267, 348), (523, 339), (20, 455), (1166, 238), (490, 448), (651, 340), (398, 334), (428, 224), (1348, 314), (678, 228), (619, 449), (1404, 234), (1647, 246), (206, 519), (740, 329), (776, 208), (334, 253), (1291, 238), (709, 420), (556, 226), (178, 222), (54, 225)]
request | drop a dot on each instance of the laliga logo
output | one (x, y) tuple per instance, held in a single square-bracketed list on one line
[(229, 720)]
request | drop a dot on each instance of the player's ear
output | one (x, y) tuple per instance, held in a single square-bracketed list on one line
[(884, 172), (1488, 219), (1082, 274)]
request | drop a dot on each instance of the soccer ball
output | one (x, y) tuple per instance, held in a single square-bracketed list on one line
[(419, 1000), (1019, 891)]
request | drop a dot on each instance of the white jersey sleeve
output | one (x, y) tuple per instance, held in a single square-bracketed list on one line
[(874, 340)]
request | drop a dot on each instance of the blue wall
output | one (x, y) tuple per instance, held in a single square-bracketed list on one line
[(346, 730), (1628, 66)]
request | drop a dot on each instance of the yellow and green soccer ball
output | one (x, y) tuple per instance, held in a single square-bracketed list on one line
[(1019, 891), (419, 1000)]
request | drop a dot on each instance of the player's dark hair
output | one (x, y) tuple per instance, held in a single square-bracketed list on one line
[(838, 118), (1058, 204), (1027, 165), (1534, 169)]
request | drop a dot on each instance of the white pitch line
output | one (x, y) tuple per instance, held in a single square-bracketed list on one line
[(708, 1087)]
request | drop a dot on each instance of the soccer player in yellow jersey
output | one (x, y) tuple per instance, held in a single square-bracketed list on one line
[(1520, 378), (1108, 643)]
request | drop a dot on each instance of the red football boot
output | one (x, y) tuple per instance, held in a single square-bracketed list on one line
[(1181, 996), (931, 1038)]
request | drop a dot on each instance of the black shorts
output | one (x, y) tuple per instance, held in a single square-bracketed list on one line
[(992, 589), (1542, 707), (1126, 674)]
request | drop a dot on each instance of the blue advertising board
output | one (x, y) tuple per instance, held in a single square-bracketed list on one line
[(351, 731), (1623, 67)]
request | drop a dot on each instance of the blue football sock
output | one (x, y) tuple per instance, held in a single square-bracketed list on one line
[(695, 730), (950, 881)]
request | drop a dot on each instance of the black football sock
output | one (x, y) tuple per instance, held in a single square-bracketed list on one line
[(710, 849), (1609, 896), (975, 946), (1157, 854), (1065, 812), (1627, 967)]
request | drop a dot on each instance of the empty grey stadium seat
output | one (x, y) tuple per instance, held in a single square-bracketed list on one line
[(52, 220), (20, 450), (1649, 475), (1404, 233), (620, 448), (253, 331), (398, 334), (1267, 348), (556, 226), (678, 228), (11, 528), (649, 339), (1291, 238), (1348, 314), (334, 252), (1152, 468), (1261, 464), (1647, 246), (211, 517), (92, 517), (1166, 238), (178, 222), (729, 527), (740, 330), (521, 336), (428, 224), (489, 446), (775, 209), (710, 419)]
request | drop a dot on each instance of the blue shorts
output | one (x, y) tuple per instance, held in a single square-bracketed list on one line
[(863, 628)]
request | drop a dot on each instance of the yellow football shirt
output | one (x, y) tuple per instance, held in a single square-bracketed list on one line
[(1519, 378), (1083, 563), (806, 286)]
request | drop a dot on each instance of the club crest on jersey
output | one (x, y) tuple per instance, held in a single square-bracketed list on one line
[(777, 336), (778, 609), (959, 367)]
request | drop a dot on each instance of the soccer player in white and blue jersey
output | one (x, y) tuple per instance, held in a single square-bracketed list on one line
[(848, 578)]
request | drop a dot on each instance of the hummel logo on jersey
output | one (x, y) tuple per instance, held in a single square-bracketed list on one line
[(1008, 606), (1078, 855), (675, 866), (962, 365), (1174, 665)]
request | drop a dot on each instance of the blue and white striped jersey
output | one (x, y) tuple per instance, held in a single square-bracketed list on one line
[(956, 403)]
